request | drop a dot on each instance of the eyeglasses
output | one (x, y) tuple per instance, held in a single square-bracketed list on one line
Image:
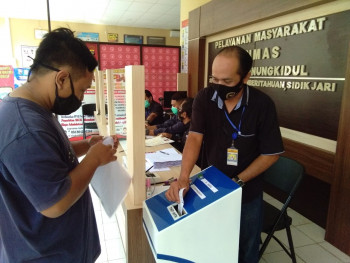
[(228, 82)]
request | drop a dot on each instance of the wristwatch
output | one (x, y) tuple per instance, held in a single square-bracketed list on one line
[(240, 182)]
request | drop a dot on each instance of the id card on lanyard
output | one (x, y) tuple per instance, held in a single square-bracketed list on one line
[(232, 152)]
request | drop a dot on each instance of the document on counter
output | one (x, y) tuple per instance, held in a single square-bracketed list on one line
[(164, 158), (149, 167), (157, 140), (111, 183), (149, 141)]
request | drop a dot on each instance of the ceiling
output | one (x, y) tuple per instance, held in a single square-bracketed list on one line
[(161, 14)]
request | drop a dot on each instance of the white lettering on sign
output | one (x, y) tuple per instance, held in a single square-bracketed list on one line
[(232, 41), (295, 70), (290, 30), (303, 27), (295, 85), (210, 186), (198, 192)]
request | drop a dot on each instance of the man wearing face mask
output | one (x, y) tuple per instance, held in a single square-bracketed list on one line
[(177, 130), (238, 125), (153, 110), (45, 204), (176, 100)]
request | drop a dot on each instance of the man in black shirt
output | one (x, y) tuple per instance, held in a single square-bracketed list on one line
[(153, 110), (175, 125), (238, 125), (179, 131)]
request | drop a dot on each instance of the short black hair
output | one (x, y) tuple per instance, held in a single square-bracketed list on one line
[(245, 60), (148, 94), (179, 96), (187, 107), (60, 48)]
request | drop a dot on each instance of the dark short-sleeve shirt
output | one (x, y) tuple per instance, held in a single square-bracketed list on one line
[(260, 133), (155, 107), (35, 160), (168, 123)]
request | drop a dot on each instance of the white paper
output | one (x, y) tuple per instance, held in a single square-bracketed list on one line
[(164, 158), (147, 166), (157, 140), (180, 206), (111, 183)]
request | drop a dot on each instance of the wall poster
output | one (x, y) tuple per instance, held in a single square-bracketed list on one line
[(27, 52), (184, 46)]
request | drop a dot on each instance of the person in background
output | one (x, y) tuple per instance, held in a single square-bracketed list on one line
[(176, 100), (185, 113), (176, 132), (45, 205), (153, 110), (238, 127)]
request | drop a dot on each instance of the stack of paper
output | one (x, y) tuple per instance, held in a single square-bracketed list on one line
[(164, 158)]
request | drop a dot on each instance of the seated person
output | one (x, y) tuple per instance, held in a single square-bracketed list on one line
[(176, 100), (179, 131), (153, 110)]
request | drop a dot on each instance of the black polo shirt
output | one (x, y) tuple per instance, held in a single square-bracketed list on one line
[(260, 133), (156, 108)]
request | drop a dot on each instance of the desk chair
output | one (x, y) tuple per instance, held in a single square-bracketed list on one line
[(88, 110), (285, 175)]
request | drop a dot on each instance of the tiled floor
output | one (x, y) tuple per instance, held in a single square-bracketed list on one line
[(308, 239)]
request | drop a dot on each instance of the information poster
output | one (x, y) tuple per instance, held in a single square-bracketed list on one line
[(119, 101), (184, 46), (20, 76), (6, 80), (112, 37), (88, 36), (28, 54)]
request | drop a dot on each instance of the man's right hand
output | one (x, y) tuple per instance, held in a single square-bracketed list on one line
[(102, 153), (173, 192)]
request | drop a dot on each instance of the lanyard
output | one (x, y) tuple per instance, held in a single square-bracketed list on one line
[(235, 134)]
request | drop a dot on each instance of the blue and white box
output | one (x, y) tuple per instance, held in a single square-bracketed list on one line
[(208, 228)]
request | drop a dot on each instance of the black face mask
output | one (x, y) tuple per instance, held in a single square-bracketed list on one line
[(61, 106), (227, 92), (66, 106)]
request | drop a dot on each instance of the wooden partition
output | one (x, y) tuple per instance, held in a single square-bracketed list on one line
[(135, 115)]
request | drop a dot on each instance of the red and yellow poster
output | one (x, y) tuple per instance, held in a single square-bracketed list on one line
[(6, 80)]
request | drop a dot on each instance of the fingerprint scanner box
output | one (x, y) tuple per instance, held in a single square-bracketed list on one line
[(208, 228)]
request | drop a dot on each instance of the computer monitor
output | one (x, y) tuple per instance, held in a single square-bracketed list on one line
[(167, 97)]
